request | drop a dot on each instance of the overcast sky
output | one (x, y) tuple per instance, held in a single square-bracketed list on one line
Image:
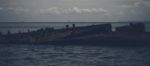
[(74, 10)]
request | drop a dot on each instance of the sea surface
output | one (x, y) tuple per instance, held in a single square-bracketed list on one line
[(51, 55)]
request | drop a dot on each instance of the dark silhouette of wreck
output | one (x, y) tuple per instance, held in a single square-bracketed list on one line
[(132, 28), (102, 34)]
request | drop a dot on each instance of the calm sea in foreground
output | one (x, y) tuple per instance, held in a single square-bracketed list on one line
[(50, 55)]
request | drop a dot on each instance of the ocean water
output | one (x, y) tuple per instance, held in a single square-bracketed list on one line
[(51, 55)]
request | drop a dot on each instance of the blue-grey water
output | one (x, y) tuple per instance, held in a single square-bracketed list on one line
[(15, 27), (51, 55)]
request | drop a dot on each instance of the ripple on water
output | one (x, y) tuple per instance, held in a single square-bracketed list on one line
[(50, 55)]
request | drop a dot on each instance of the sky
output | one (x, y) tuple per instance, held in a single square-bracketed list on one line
[(74, 10)]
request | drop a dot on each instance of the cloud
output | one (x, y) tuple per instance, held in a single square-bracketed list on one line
[(146, 2), (79, 10), (142, 2), (56, 10), (133, 5), (17, 9), (136, 4), (1, 8)]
